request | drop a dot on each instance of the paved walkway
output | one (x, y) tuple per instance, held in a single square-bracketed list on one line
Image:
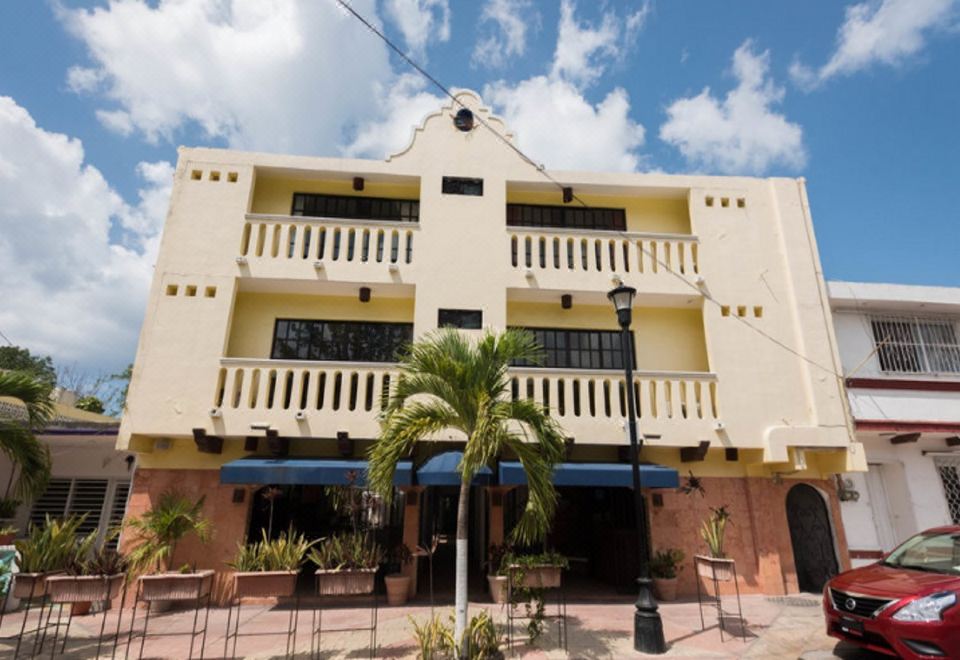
[(786, 627)]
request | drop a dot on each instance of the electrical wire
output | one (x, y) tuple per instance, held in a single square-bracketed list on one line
[(543, 171), (6, 339)]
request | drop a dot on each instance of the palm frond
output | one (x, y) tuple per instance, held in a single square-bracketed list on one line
[(17, 439)]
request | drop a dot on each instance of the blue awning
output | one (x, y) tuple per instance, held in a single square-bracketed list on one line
[(595, 474), (441, 470), (304, 471)]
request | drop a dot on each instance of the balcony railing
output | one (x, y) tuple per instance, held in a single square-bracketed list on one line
[(308, 239), (585, 251), (589, 404)]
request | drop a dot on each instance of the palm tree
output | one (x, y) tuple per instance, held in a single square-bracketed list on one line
[(448, 382), (160, 529), (17, 439)]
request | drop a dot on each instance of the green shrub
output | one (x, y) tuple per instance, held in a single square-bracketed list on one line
[(54, 545), (436, 641), (667, 563), (713, 529), (284, 553), (346, 551)]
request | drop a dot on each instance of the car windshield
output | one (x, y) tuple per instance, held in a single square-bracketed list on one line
[(935, 553)]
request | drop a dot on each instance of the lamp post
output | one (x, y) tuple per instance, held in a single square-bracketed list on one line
[(647, 625)]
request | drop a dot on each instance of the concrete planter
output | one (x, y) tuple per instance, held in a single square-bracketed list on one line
[(83, 588), (666, 588), (265, 584), (397, 588), (30, 585), (345, 583), (538, 577), (175, 586), (498, 588), (721, 569)]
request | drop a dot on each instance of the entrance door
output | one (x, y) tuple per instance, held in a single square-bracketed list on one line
[(812, 538), (880, 504)]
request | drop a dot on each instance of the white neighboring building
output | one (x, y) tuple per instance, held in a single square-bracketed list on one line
[(900, 349)]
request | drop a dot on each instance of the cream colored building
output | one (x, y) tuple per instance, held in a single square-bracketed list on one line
[(270, 275)]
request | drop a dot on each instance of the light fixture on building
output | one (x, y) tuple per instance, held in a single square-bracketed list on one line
[(260, 426), (215, 412), (567, 194), (241, 261), (463, 120), (358, 183), (318, 265), (616, 280), (566, 301), (394, 268), (364, 294), (344, 444), (300, 415), (528, 274)]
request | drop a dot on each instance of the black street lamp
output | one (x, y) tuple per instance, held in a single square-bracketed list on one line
[(647, 625)]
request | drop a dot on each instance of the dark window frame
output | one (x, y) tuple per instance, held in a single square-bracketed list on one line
[(325, 340), (592, 218), (355, 207), (459, 185), (464, 319), (579, 348)]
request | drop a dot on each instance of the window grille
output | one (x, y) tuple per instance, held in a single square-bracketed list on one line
[(339, 341), (917, 345), (949, 469), (117, 509), (355, 208), (65, 497), (578, 349), (566, 217)]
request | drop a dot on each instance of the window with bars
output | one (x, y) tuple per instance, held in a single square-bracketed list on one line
[(578, 349), (339, 341), (916, 344), (949, 469), (567, 217), (467, 319), (65, 497), (355, 208)]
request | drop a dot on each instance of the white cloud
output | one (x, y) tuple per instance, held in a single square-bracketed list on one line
[(275, 75), (508, 38), (420, 22), (740, 134), (887, 32), (557, 126), (68, 291), (585, 51), (403, 105)]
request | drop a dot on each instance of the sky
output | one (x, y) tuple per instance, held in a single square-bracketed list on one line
[(860, 98)]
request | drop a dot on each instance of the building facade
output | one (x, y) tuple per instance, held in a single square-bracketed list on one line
[(900, 347), (284, 286)]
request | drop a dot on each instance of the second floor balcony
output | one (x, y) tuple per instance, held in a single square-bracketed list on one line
[(318, 399)]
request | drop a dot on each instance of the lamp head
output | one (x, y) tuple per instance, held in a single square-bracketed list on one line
[(622, 299)]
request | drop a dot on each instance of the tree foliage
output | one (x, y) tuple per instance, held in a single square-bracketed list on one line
[(15, 358), (17, 436)]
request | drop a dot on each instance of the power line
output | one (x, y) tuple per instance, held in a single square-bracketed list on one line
[(542, 170), (6, 339)]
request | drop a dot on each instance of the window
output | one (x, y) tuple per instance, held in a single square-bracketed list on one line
[(355, 208), (948, 467), (467, 319), (578, 349), (63, 497), (340, 341), (568, 217), (454, 185), (916, 345)]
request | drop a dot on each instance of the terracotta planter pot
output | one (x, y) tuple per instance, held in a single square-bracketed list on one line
[(708, 567), (397, 588), (30, 585), (345, 583), (175, 586), (7, 539), (666, 588), (498, 588), (80, 609), (538, 577), (83, 588), (265, 584)]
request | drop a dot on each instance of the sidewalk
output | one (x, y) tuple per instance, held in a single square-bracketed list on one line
[(776, 627)]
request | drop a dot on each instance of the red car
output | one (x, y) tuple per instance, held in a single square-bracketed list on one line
[(907, 604)]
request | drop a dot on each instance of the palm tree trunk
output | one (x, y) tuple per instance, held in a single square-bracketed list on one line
[(460, 597)]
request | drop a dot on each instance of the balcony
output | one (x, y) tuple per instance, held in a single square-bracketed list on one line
[(570, 259), (333, 396), (298, 247)]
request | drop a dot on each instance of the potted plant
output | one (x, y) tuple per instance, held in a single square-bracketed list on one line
[(529, 577), (269, 568), (7, 534), (398, 585), (664, 567), (496, 573), (92, 576), (716, 565), (158, 532), (346, 564), (8, 510), (45, 550)]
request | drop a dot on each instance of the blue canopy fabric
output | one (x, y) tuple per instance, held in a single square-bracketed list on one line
[(304, 471), (595, 474), (441, 470)]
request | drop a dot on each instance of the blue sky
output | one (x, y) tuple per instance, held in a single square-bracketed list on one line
[(861, 98)]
